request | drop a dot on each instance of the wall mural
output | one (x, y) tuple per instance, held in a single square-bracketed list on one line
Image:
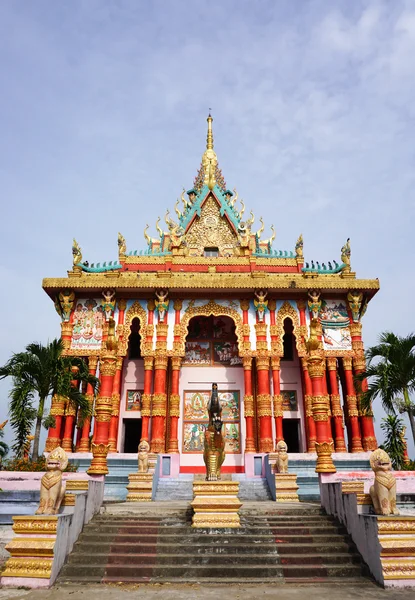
[(133, 400), (335, 322), (196, 420), (289, 400), (88, 323), (211, 341)]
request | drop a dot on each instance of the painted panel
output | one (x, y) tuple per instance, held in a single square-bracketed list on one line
[(226, 353), (88, 322), (133, 400), (289, 400), (333, 313), (337, 338), (197, 353)]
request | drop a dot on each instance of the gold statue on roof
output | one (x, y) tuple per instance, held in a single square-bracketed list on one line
[(345, 255), (76, 253), (122, 245), (299, 247)]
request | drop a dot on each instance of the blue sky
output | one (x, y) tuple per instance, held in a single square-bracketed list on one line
[(103, 118)]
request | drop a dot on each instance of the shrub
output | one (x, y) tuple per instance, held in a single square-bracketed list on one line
[(18, 464)]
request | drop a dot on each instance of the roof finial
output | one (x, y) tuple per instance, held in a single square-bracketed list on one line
[(209, 139)]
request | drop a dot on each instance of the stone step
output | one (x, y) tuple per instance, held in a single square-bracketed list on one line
[(153, 571), (88, 547), (247, 529), (211, 559), (363, 582)]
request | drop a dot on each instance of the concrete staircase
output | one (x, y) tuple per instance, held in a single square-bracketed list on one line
[(169, 489), (279, 545), (252, 488)]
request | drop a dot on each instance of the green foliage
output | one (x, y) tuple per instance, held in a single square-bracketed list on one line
[(3, 446), (37, 374), (394, 444), (409, 466), (19, 464), (391, 375)]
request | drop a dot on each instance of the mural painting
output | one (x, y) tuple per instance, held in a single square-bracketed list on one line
[(88, 323), (335, 322), (196, 419), (289, 400), (197, 353), (337, 338), (133, 401), (212, 341)]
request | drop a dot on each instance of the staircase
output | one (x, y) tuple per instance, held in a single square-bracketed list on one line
[(169, 488), (252, 488), (279, 545)]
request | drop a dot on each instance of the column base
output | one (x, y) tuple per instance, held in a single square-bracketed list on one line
[(324, 460), (266, 445), (250, 446), (84, 446), (67, 445), (311, 446), (51, 444), (140, 488), (370, 443), (99, 459), (286, 487), (157, 446), (356, 445), (173, 447), (216, 504), (340, 445), (113, 445)]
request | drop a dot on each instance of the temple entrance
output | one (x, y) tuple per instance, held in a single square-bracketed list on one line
[(291, 432), (132, 435)]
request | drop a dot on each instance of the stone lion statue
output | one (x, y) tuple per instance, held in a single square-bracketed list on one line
[(52, 488), (282, 457), (383, 491), (143, 450)]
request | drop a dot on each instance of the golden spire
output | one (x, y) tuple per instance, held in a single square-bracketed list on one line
[(209, 158)]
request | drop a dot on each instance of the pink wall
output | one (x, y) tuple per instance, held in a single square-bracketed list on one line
[(132, 379)]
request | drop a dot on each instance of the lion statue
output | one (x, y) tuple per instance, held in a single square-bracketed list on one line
[(52, 488), (282, 457), (383, 491), (143, 449)]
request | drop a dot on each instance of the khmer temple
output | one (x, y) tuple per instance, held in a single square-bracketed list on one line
[(209, 299)]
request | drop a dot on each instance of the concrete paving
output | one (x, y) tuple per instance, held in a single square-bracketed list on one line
[(211, 592)]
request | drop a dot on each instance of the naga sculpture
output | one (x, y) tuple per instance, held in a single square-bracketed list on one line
[(52, 489), (282, 458), (383, 491), (214, 449), (143, 449)]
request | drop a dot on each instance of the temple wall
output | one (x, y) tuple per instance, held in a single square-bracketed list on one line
[(132, 379)]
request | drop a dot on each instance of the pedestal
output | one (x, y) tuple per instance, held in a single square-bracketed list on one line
[(216, 504), (140, 488), (286, 487)]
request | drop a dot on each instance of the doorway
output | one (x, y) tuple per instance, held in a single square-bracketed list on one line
[(132, 435), (291, 433)]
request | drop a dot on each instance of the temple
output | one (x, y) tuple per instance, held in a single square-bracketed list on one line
[(210, 300)]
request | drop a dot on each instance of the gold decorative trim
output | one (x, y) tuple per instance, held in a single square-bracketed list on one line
[(288, 311), (31, 524), (28, 546), (28, 567), (78, 485), (136, 310)]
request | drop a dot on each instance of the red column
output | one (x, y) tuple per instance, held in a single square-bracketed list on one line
[(359, 363), (116, 399), (264, 404), (146, 397), (103, 410), (352, 411), (174, 405), (69, 423), (159, 403), (57, 410), (249, 412), (308, 402), (336, 410), (84, 445), (277, 400)]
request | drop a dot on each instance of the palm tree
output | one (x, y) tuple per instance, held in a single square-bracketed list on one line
[(394, 444), (391, 375), (3, 446), (38, 374)]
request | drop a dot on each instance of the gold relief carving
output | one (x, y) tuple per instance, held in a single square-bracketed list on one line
[(266, 445), (396, 525), (159, 405), (359, 363), (351, 402), (355, 329), (174, 405), (148, 330), (118, 364), (244, 304), (336, 409), (192, 281), (404, 569), (262, 363), (246, 345), (369, 443), (68, 500), (264, 405), (145, 405), (332, 363), (122, 304), (28, 567), (249, 406), (52, 443), (246, 330), (276, 363), (176, 362), (397, 546), (99, 459), (261, 328), (136, 310), (70, 409), (303, 331), (212, 308), (160, 363), (178, 304), (353, 487), (27, 546), (347, 363), (66, 329), (272, 304), (102, 418), (287, 310), (162, 329), (177, 330), (338, 353), (308, 400), (58, 406), (116, 399), (157, 446), (247, 363), (358, 346), (77, 485), (30, 524), (151, 305), (108, 365), (316, 364), (324, 460), (262, 346), (274, 330), (93, 363), (148, 363), (277, 402), (320, 407)]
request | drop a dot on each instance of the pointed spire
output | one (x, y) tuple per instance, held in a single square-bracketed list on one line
[(209, 139), (209, 158)]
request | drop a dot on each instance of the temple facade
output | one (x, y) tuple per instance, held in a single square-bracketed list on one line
[(210, 300)]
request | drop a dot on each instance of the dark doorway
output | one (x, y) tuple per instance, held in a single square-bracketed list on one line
[(132, 435), (291, 433)]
